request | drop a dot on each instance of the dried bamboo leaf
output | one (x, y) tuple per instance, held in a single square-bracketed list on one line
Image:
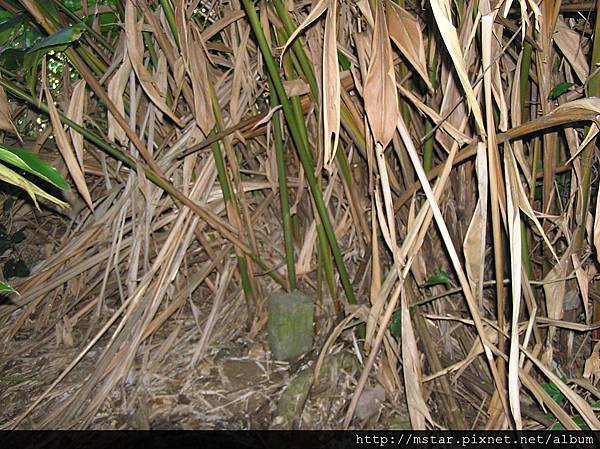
[(578, 402), (75, 112), (75, 170), (442, 13), (569, 42), (596, 236), (417, 408), (116, 92), (331, 88), (474, 244), (583, 281), (381, 98), (405, 31), (514, 231), (135, 50), (198, 65), (313, 15)]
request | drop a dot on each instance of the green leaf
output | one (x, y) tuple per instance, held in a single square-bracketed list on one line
[(57, 41), (9, 176), (72, 5), (28, 161), (439, 277), (9, 27), (15, 379), (15, 268), (60, 39), (560, 89), (5, 288), (554, 392), (12, 59), (580, 422), (31, 61), (343, 61), (396, 324), (5, 15)]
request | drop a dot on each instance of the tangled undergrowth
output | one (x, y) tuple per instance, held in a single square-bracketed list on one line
[(426, 172)]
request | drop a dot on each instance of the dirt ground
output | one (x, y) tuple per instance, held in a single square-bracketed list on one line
[(235, 385)]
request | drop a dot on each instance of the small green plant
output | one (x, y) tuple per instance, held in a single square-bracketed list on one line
[(5, 288), (28, 162), (559, 398), (15, 379), (560, 89), (439, 277)]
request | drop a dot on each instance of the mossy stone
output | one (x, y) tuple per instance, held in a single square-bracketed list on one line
[(290, 324)]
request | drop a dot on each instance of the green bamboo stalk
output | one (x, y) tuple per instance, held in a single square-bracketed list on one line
[(150, 46), (231, 204), (284, 200), (324, 262), (524, 75), (319, 271), (303, 152), (345, 115), (325, 265), (307, 71), (170, 16), (289, 27), (295, 100), (428, 144)]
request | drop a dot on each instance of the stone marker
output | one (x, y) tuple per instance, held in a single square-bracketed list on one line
[(290, 324)]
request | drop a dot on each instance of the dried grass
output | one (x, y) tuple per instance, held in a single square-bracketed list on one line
[(149, 310)]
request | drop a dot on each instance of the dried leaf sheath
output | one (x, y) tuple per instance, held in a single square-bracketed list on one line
[(381, 99)]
